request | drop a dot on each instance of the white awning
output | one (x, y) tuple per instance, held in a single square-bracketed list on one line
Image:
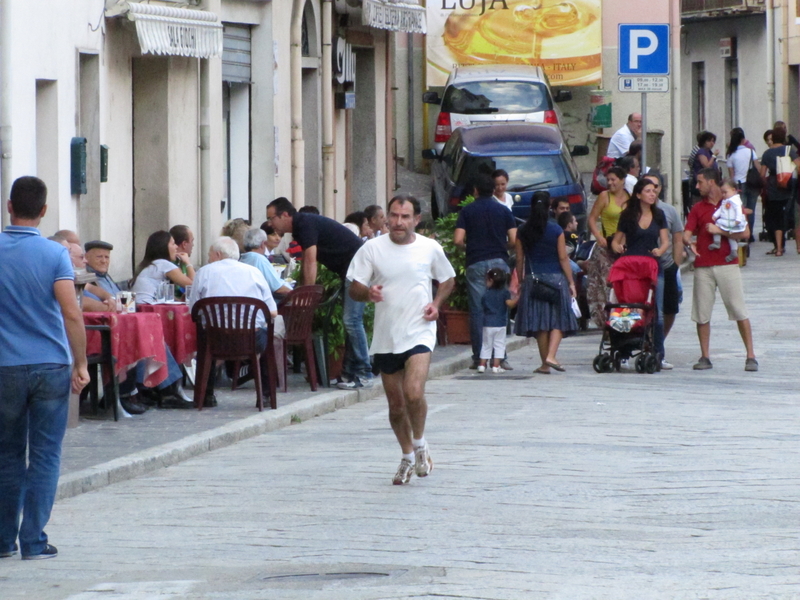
[(394, 15), (174, 31)]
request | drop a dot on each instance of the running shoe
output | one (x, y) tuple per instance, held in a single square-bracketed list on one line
[(404, 472), (498, 370), (423, 464), (48, 552)]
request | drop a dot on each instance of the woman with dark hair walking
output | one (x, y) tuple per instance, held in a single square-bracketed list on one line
[(545, 306)]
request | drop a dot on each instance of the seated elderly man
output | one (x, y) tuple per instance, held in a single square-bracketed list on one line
[(98, 259), (256, 245), (226, 276), (95, 298)]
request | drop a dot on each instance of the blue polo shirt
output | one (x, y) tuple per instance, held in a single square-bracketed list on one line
[(105, 282), (261, 262), (31, 324), (486, 223)]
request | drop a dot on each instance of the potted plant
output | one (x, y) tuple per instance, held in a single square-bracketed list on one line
[(454, 319), (329, 319)]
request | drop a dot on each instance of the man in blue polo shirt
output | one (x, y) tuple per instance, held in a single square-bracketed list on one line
[(486, 229), (40, 322)]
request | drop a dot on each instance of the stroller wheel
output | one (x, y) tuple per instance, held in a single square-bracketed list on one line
[(650, 364), (606, 363), (597, 362), (640, 363)]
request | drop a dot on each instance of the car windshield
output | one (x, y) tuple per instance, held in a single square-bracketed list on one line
[(496, 97), (525, 173)]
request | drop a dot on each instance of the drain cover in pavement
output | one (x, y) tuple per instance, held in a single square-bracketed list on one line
[(494, 377), (328, 576)]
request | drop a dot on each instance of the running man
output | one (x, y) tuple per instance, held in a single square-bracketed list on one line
[(396, 272)]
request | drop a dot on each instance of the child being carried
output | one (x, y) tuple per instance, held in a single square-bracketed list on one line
[(729, 217)]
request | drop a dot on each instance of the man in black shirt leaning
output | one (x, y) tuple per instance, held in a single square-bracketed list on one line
[(329, 243)]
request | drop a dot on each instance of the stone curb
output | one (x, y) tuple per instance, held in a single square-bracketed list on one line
[(165, 455)]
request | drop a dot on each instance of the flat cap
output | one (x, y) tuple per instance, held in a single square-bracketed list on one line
[(97, 244)]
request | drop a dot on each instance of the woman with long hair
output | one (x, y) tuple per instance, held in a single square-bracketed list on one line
[(542, 262), (159, 265), (607, 209), (642, 229), (740, 157)]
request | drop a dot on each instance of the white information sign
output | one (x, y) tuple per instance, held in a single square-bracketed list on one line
[(644, 84)]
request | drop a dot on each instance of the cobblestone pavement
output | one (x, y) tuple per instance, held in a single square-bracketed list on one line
[(678, 485)]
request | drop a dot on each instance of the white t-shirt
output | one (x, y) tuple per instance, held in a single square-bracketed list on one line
[(739, 161), (228, 277), (147, 282), (630, 182), (620, 142), (507, 200), (405, 272)]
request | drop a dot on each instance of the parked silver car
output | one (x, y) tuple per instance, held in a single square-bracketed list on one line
[(484, 94)]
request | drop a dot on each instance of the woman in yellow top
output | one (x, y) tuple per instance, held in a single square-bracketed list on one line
[(607, 208)]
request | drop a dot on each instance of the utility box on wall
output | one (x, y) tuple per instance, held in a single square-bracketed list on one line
[(77, 153), (103, 163)]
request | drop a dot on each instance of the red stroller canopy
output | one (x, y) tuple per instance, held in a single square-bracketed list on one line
[(633, 277)]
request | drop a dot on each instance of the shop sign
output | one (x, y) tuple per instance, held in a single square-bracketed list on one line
[(344, 61), (394, 16)]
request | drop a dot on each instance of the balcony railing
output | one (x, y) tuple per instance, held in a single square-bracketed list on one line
[(716, 8)]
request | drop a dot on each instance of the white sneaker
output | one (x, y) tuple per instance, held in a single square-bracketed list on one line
[(481, 369), (625, 365), (665, 366), (423, 464), (498, 370), (404, 472)]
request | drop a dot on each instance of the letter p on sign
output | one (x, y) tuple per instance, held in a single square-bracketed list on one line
[(644, 49)]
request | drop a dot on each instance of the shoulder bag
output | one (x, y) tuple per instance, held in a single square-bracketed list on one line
[(753, 178), (784, 168)]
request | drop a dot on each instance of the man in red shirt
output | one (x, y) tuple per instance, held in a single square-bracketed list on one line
[(712, 271)]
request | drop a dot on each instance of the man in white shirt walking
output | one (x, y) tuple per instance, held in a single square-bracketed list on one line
[(396, 272)]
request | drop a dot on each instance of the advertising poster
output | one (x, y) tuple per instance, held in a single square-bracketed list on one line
[(562, 36)]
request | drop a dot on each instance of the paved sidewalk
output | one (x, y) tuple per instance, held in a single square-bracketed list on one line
[(678, 485), (100, 452)]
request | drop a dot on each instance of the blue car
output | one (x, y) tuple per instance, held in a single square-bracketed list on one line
[(535, 156)]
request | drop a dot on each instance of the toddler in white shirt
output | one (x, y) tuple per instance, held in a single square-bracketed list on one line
[(729, 217)]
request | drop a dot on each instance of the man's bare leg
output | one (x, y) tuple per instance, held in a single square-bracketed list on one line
[(398, 413), (747, 336), (704, 335), (416, 374)]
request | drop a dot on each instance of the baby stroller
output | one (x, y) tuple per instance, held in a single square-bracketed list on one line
[(629, 331)]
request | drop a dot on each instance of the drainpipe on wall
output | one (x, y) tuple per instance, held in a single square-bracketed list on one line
[(784, 60), (207, 203), (328, 180), (676, 125), (5, 104), (770, 14), (296, 85)]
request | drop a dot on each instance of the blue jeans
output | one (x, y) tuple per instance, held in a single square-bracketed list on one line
[(476, 288), (659, 333), (750, 200), (34, 403), (174, 373), (356, 361)]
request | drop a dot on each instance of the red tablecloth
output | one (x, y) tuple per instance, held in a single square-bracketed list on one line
[(134, 337), (180, 332)]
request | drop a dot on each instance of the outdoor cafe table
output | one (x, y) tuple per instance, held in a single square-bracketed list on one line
[(134, 337), (180, 332)]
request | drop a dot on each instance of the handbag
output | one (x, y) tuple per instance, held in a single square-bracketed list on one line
[(784, 169), (544, 291), (753, 178)]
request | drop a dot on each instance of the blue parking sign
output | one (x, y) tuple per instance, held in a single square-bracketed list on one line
[(643, 49)]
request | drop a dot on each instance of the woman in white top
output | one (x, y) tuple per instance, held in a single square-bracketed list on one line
[(158, 266), (500, 178), (740, 153)]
